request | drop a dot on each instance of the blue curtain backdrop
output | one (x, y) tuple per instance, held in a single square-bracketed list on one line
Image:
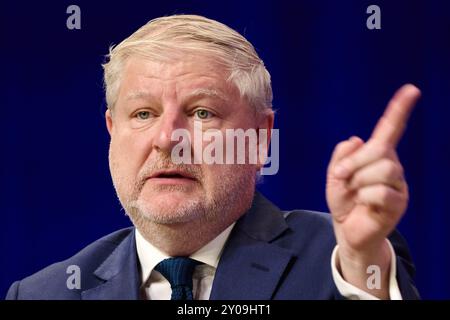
[(331, 78)]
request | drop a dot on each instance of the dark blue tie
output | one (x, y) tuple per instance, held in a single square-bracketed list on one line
[(178, 271)]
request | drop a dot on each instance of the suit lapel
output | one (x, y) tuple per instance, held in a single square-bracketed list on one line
[(120, 274), (251, 266)]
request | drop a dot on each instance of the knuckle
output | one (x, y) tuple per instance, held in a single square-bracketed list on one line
[(383, 194), (395, 170), (348, 162), (392, 169)]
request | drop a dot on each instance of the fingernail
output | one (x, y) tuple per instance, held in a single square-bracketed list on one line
[(340, 171)]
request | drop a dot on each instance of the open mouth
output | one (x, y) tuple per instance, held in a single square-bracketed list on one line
[(172, 176)]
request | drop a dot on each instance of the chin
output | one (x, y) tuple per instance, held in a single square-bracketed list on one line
[(169, 207), (168, 196)]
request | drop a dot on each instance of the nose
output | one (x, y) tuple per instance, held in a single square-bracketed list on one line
[(169, 121)]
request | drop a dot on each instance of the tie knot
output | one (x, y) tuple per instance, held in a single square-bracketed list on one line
[(178, 271)]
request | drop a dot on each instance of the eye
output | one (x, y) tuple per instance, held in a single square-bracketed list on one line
[(203, 114), (143, 115)]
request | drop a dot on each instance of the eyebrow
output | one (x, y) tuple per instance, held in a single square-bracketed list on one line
[(196, 94)]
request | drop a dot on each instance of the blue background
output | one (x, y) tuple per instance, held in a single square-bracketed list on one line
[(332, 78)]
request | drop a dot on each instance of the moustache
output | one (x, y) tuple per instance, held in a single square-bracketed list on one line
[(165, 164)]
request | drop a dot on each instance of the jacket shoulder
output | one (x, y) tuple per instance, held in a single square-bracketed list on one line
[(308, 216), (308, 230), (52, 281), (310, 223)]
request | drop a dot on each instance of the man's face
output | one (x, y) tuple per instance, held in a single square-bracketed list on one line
[(155, 99)]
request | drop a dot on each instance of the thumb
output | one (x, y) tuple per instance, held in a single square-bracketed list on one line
[(342, 150), (339, 198)]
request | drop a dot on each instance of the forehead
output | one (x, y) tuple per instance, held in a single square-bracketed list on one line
[(188, 73)]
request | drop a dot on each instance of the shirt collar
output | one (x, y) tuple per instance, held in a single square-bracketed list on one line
[(149, 256)]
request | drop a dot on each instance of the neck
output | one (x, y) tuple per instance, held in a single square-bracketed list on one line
[(185, 238)]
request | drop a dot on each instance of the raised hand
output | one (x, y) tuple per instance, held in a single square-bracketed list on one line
[(367, 193)]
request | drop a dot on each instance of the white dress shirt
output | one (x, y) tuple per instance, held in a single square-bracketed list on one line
[(156, 287)]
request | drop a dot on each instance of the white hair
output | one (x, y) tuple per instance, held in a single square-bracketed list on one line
[(165, 37)]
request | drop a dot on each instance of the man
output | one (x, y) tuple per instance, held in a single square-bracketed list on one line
[(200, 229)]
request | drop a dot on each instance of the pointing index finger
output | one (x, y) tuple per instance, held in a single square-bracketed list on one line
[(392, 124)]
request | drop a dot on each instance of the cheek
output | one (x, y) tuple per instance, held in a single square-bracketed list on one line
[(128, 153), (218, 176), (211, 175)]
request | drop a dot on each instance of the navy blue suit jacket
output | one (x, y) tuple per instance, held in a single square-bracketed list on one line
[(270, 254)]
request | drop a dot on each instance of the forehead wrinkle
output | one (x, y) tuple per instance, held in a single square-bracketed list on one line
[(207, 92), (139, 95)]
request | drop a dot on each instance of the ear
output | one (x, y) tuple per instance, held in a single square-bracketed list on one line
[(109, 120), (265, 127)]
